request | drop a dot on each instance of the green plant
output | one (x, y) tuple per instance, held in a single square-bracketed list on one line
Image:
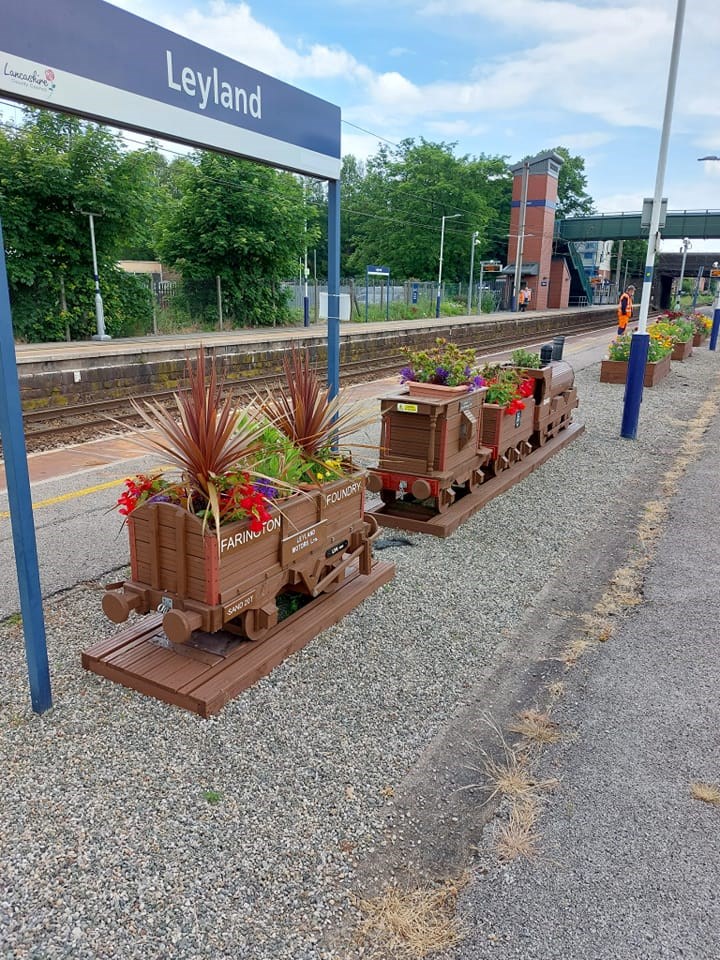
[(660, 345), (506, 387), (303, 413), (212, 796), (525, 359), (677, 328), (702, 324), (444, 364)]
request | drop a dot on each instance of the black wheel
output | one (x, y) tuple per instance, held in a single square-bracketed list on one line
[(388, 496)]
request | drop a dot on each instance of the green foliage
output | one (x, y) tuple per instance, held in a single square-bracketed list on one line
[(394, 204), (239, 221), (525, 359), (51, 168), (502, 384), (573, 198), (444, 364)]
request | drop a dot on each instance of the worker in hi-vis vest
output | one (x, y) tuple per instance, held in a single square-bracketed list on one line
[(625, 309)]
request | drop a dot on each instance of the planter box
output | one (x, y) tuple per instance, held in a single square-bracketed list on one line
[(682, 350), (435, 391), (555, 396), (615, 371), (507, 434), (202, 584), (699, 339)]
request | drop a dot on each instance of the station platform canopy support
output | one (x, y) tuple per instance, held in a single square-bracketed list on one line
[(94, 60)]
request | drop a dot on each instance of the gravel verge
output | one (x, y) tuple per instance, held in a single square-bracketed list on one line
[(131, 829)]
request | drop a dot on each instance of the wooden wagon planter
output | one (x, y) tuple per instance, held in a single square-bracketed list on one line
[(615, 371), (699, 339), (206, 584), (508, 435), (218, 626)]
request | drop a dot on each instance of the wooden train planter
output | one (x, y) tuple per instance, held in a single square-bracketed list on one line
[(199, 583), (444, 456)]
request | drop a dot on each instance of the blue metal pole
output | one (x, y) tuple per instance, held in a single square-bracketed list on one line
[(639, 346), (387, 299), (715, 325), (306, 311), (334, 287), (21, 515), (367, 294)]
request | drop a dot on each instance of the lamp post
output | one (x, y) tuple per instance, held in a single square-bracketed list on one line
[(683, 250), (473, 243), (521, 235), (452, 216), (99, 311), (640, 341)]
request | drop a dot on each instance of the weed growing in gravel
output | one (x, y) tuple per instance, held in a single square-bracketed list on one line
[(707, 792), (212, 796), (415, 922), (517, 837), (536, 728)]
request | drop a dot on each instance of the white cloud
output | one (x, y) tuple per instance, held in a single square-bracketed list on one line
[(233, 30)]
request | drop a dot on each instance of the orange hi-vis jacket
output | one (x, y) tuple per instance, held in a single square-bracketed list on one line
[(625, 310)]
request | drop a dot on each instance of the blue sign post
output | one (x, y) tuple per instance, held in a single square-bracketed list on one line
[(92, 59), (21, 517)]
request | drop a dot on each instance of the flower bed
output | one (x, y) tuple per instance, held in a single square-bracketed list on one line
[(615, 371)]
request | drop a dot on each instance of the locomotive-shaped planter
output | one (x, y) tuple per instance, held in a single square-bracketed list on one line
[(201, 583), (440, 447)]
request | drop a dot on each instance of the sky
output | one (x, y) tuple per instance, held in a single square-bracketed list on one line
[(495, 77)]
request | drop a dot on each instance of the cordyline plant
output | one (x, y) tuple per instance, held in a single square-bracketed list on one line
[(203, 436), (303, 411)]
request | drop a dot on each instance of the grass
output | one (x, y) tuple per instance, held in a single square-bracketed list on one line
[(518, 837), (707, 792), (415, 922), (536, 728), (212, 796)]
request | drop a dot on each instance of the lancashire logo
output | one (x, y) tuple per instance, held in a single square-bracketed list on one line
[(38, 81)]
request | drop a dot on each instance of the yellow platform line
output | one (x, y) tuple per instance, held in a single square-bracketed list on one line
[(73, 495)]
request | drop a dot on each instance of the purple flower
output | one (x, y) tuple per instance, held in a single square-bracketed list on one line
[(407, 373), (264, 487), (477, 382), (440, 376), (159, 498)]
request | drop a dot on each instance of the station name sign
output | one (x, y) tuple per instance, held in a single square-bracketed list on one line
[(93, 59)]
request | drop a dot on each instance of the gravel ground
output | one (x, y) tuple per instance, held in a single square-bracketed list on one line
[(132, 829)]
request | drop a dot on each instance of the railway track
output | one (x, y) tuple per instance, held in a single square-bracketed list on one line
[(77, 423)]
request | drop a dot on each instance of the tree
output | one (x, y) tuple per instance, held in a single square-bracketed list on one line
[(242, 222), (52, 168), (573, 198), (397, 206)]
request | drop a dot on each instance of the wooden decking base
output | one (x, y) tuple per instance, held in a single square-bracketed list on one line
[(202, 677), (421, 520)]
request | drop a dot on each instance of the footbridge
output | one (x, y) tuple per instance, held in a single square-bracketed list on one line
[(695, 224)]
